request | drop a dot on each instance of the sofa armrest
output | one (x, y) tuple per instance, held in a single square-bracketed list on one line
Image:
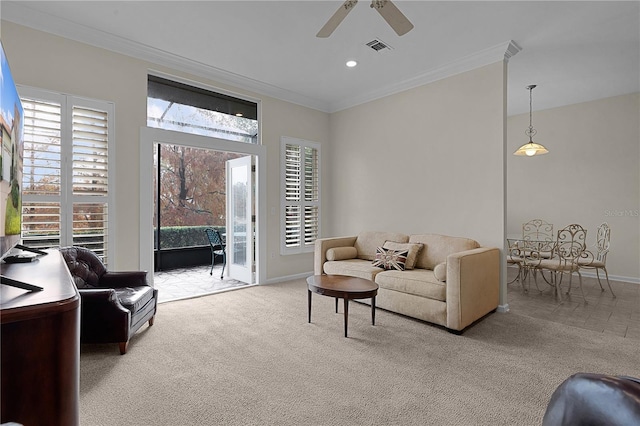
[(101, 303), (123, 279), (103, 319), (324, 244), (98, 295), (473, 285)]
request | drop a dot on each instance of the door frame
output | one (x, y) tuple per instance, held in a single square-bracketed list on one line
[(235, 271), (150, 136)]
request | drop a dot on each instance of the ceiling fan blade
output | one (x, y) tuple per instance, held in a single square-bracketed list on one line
[(336, 19), (400, 24)]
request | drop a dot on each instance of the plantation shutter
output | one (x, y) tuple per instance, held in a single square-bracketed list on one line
[(301, 195), (90, 178), (293, 212), (66, 171), (311, 195), (42, 173)]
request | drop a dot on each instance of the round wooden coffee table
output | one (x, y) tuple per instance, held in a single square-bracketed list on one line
[(343, 287)]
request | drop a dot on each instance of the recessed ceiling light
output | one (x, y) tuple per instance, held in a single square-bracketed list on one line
[(239, 114), (351, 63)]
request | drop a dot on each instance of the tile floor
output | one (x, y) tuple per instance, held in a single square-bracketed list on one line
[(602, 312), (184, 283)]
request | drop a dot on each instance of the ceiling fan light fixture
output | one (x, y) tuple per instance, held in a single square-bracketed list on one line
[(389, 11)]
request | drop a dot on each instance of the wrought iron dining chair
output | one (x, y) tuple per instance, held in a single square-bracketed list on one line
[(598, 260), (532, 253), (218, 247), (537, 230), (515, 257), (567, 249), (539, 233)]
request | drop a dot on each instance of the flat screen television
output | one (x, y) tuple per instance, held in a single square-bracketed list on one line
[(12, 143)]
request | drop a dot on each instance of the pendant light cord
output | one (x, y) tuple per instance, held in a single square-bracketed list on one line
[(531, 131)]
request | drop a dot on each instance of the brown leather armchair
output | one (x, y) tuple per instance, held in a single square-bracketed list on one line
[(114, 305)]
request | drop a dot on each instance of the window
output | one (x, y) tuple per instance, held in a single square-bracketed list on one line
[(300, 205), (66, 178), (176, 106)]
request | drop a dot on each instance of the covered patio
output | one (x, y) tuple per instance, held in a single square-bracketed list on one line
[(194, 281)]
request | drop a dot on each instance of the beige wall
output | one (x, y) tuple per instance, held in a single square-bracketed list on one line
[(591, 174), (428, 160), (424, 160), (57, 64), (49, 62), (281, 118)]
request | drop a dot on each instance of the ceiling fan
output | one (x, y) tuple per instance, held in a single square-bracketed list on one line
[(385, 8)]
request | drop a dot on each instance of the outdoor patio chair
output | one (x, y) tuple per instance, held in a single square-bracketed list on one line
[(218, 247)]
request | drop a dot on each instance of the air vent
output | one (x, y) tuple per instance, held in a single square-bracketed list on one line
[(378, 45)]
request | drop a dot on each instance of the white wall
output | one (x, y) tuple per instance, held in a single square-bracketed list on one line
[(428, 160), (590, 175), (49, 62)]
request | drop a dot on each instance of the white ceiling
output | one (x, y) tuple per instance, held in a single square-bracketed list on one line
[(575, 51)]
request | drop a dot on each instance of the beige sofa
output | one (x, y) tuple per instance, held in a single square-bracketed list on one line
[(449, 281)]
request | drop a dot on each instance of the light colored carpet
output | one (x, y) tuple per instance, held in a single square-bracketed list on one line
[(249, 357)]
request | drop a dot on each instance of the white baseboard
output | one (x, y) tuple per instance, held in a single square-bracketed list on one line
[(592, 274), (503, 308), (631, 280), (288, 278)]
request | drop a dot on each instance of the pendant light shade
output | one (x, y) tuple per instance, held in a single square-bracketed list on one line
[(531, 148)]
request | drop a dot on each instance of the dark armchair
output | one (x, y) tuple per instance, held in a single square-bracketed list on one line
[(114, 305), (592, 399)]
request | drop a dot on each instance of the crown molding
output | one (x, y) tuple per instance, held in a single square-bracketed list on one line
[(511, 50), (20, 13), (500, 52)]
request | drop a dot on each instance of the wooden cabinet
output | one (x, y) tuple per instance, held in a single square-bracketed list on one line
[(40, 339)]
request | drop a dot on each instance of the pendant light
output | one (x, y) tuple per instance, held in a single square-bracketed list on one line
[(531, 148)]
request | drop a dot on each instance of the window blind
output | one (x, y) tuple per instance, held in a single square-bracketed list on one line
[(66, 171), (301, 195)]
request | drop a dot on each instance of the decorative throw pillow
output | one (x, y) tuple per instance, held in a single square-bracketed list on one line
[(440, 271), (412, 248), (342, 253), (390, 259)]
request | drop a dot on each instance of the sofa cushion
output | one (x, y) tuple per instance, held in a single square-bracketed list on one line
[(438, 247), (419, 282), (412, 248), (367, 242), (390, 259), (342, 253), (353, 268), (440, 271)]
